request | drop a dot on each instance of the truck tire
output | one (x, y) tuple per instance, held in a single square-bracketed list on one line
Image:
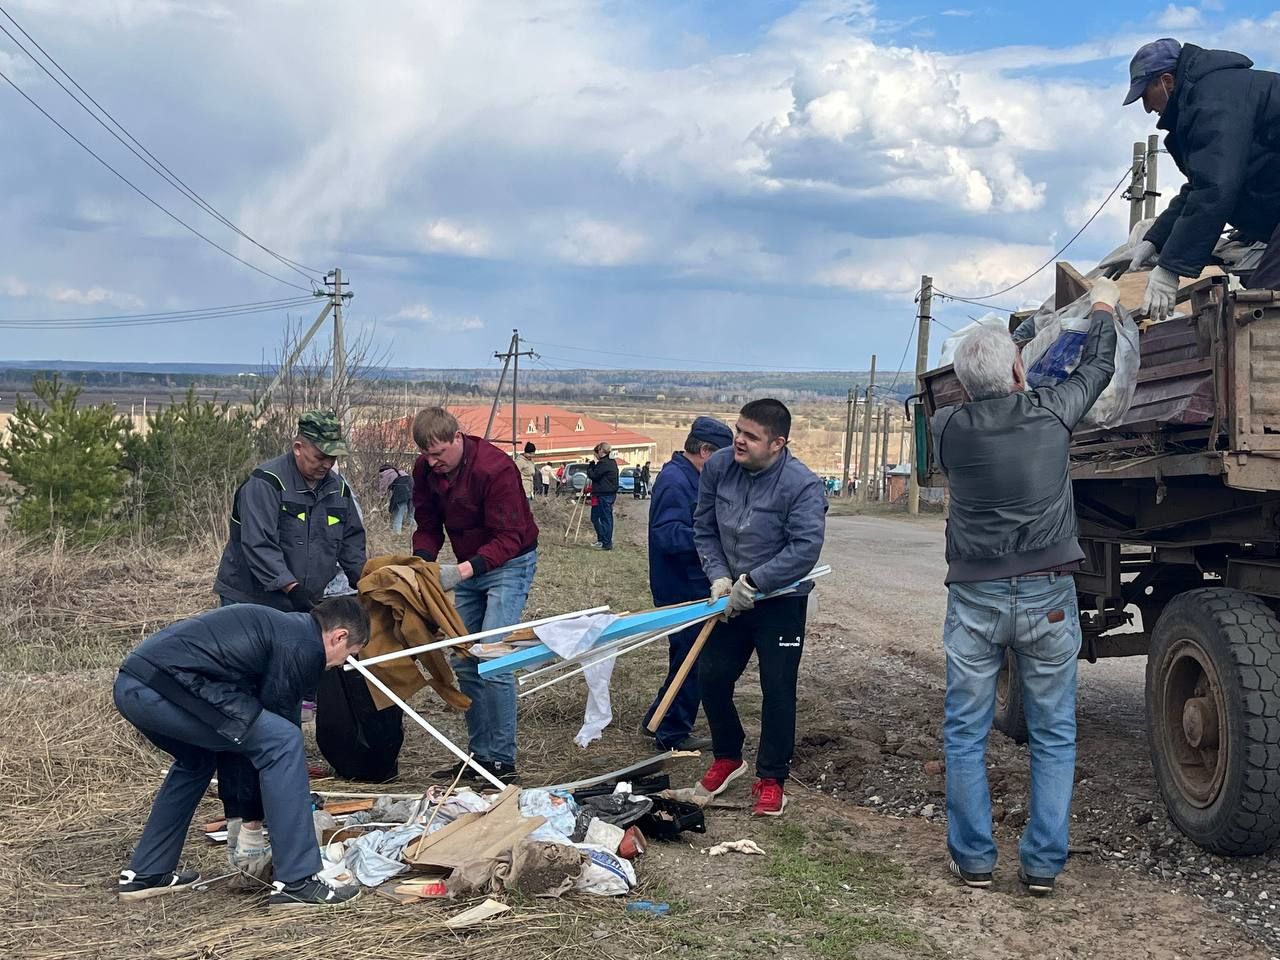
[(1213, 719), (1009, 718)]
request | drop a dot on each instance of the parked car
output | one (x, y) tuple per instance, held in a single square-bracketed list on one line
[(576, 478), (627, 480)]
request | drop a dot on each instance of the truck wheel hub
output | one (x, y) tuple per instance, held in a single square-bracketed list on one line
[(1200, 723)]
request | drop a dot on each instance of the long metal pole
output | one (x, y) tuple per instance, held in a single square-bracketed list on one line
[(865, 472), (922, 364)]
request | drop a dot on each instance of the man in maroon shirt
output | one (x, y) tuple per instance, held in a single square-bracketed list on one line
[(467, 488)]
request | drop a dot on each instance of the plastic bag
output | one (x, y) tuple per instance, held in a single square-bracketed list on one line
[(950, 344), (603, 873), (1058, 346)]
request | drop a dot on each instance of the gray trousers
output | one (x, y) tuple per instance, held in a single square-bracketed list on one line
[(273, 745)]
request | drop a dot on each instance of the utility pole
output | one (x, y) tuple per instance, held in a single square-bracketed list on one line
[(922, 364), (338, 369), (1135, 190), (885, 423), (865, 472), (848, 439), (333, 300), (1149, 194), (513, 353)]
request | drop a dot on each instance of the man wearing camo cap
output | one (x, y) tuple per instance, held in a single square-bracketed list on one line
[(293, 522)]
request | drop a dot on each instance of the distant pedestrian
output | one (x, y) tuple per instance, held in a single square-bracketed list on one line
[(548, 480), (603, 477), (645, 478), (524, 463), (397, 485)]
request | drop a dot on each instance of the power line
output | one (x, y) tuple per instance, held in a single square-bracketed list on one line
[(727, 365), (151, 160), (904, 355), (138, 190), (1128, 174), (156, 319)]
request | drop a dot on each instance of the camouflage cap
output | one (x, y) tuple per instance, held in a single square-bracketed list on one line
[(324, 429)]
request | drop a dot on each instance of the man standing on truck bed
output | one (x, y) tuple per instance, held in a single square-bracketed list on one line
[(1223, 123), (1011, 548)]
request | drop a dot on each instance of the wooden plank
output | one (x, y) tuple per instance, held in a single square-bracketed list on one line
[(1170, 371), (1068, 285)]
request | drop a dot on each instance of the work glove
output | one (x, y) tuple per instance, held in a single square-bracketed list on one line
[(450, 577), (248, 851), (720, 587), (1161, 295), (1105, 291), (743, 596), (299, 600), (1144, 255)]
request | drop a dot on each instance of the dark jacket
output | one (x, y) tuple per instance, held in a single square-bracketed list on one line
[(1223, 124), (1006, 462), (482, 507), (401, 491), (769, 525), (675, 574), (603, 475), (283, 531), (224, 665)]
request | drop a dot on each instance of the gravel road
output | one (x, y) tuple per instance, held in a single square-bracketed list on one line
[(877, 742)]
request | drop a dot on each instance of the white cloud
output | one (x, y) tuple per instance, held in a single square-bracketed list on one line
[(957, 13), (597, 243), (444, 236), (1174, 17), (93, 295), (13, 287), (420, 315)]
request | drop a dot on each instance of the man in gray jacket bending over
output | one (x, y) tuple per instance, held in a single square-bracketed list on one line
[(1011, 548), (758, 527)]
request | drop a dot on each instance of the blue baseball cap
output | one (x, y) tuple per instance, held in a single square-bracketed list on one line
[(1151, 60), (712, 431)]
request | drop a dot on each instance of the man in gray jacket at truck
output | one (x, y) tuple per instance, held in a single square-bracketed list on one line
[(1011, 549), (758, 527)]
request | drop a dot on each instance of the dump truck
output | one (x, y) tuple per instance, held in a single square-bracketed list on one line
[(1179, 515)]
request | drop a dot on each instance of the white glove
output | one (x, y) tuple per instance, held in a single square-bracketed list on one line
[(248, 850), (450, 576), (1162, 294), (1105, 291), (743, 596), (720, 587), (1144, 254)]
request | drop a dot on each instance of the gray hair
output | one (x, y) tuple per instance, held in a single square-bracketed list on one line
[(984, 363)]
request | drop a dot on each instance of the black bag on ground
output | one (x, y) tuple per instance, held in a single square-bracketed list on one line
[(667, 819), (358, 740)]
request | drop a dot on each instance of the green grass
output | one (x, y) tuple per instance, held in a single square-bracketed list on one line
[(817, 881)]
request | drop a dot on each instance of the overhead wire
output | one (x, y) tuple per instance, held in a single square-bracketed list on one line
[(156, 319), (134, 145), (977, 298), (146, 196), (726, 365)]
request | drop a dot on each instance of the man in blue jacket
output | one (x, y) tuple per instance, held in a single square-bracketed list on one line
[(758, 527), (675, 575), (1222, 119), (200, 688)]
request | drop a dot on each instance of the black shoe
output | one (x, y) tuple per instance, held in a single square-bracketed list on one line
[(970, 879), (689, 743), (506, 772), (449, 774), (310, 892), (1036, 886), (137, 886), (644, 731)]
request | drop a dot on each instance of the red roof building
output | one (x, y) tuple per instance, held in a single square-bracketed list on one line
[(560, 435)]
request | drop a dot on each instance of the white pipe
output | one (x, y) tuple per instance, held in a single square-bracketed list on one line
[(589, 653), (416, 717), (473, 637)]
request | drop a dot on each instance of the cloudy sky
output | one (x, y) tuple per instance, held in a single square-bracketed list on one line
[(756, 182)]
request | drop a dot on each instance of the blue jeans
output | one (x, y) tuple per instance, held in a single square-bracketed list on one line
[(398, 516), (1036, 617), (495, 599), (272, 745), (602, 519)]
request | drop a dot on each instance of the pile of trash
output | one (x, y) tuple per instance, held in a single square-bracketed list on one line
[(457, 843)]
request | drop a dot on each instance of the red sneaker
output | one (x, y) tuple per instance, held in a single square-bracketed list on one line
[(770, 800), (721, 774)]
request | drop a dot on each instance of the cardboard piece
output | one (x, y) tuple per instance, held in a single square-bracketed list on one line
[(478, 914), (475, 836)]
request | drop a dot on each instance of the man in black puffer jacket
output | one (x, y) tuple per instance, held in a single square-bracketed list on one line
[(603, 475), (197, 689), (1222, 119)]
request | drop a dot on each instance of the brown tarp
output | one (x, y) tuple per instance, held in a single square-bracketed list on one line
[(407, 609)]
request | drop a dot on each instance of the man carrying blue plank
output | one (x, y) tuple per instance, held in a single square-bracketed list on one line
[(758, 527), (676, 576)]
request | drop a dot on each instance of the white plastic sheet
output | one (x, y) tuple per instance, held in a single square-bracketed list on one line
[(950, 344), (572, 638)]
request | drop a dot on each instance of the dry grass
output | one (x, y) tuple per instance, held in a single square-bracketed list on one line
[(76, 781)]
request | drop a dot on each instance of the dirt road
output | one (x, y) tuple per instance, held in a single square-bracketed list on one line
[(873, 720)]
